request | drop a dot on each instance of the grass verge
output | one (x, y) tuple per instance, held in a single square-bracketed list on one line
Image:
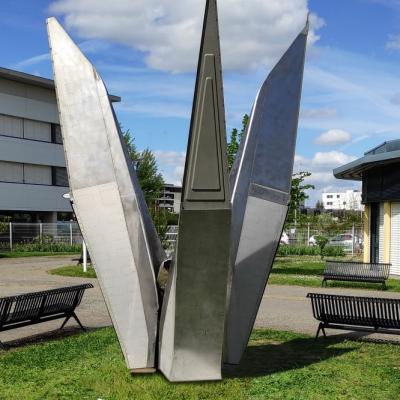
[(308, 270), (277, 365), (74, 271)]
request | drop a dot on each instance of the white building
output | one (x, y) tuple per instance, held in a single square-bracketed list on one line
[(170, 198), (348, 200), (33, 176)]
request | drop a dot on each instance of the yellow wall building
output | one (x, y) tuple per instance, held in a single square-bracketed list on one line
[(379, 171)]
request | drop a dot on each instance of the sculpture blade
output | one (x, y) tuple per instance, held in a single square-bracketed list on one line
[(108, 201), (260, 183), (193, 313)]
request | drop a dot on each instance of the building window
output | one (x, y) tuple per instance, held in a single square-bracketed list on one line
[(11, 172), (56, 136), (11, 126), (60, 176), (36, 130), (37, 174), (329, 203), (329, 196)]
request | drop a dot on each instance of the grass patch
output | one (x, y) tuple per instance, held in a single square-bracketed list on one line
[(277, 365), (17, 254), (308, 270), (74, 271)]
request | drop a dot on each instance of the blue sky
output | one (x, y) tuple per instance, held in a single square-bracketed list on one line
[(146, 52)]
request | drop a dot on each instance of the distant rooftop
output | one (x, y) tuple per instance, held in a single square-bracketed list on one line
[(34, 80), (385, 153)]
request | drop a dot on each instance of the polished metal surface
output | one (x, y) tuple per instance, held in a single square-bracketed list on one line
[(193, 313), (108, 201), (260, 184)]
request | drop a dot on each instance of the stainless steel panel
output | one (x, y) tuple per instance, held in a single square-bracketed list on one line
[(260, 184), (193, 314), (107, 200)]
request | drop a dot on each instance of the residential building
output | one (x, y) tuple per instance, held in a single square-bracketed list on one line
[(33, 176), (379, 171), (348, 200), (170, 198)]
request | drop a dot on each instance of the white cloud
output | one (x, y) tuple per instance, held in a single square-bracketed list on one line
[(321, 166), (333, 136), (318, 113), (253, 33), (172, 165), (393, 42)]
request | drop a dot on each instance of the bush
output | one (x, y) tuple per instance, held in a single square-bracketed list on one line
[(329, 251), (50, 247)]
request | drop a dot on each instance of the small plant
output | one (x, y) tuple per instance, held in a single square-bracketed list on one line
[(321, 241)]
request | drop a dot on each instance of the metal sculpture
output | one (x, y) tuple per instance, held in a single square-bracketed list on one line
[(260, 183), (108, 201), (210, 302), (193, 314)]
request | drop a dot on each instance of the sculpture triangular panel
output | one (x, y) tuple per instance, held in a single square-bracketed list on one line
[(260, 184), (108, 201), (192, 320)]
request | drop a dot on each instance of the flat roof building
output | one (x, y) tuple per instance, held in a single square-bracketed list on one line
[(33, 175), (379, 171)]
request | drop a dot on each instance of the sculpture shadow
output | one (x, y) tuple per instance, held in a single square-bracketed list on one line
[(266, 359)]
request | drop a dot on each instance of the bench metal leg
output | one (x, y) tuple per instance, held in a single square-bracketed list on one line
[(3, 346), (324, 283), (320, 328), (79, 322), (65, 322)]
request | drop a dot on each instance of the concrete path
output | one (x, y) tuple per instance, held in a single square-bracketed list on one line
[(22, 275), (282, 307)]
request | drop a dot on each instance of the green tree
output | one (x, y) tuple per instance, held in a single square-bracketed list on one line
[(151, 181), (235, 139), (319, 205), (233, 147), (298, 194)]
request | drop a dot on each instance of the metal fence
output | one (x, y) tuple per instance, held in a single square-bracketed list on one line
[(351, 238), (12, 234)]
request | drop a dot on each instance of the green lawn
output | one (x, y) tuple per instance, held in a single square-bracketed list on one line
[(278, 365), (34, 254), (74, 271), (307, 271)]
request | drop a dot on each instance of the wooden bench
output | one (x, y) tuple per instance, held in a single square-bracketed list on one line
[(34, 308), (356, 272), (366, 314)]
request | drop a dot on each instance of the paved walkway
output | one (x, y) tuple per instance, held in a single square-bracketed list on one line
[(282, 307)]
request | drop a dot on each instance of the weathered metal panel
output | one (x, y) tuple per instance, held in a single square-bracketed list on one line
[(260, 184), (108, 201), (192, 321)]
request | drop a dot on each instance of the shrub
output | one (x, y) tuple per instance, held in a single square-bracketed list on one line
[(329, 251), (51, 247)]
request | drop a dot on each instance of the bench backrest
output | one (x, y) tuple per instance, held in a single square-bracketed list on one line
[(32, 306), (352, 268), (351, 310)]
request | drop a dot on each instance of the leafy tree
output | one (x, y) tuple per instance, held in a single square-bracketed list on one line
[(298, 193), (233, 147), (245, 122), (319, 205), (130, 144), (236, 138), (151, 181)]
